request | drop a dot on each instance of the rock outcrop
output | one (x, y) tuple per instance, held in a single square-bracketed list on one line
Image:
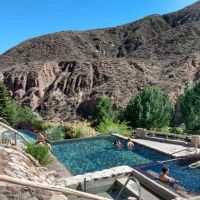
[(18, 164), (63, 74)]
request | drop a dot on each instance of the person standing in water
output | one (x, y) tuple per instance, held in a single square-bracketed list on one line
[(165, 178), (130, 144)]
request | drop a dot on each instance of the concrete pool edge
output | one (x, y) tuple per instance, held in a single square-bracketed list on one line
[(116, 173), (122, 137), (78, 139), (163, 151)]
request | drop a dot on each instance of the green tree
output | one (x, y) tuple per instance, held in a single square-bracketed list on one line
[(8, 109), (25, 114), (190, 108), (151, 108), (103, 110)]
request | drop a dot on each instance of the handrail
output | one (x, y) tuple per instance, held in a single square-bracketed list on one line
[(131, 177), (15, 131), (50, 187), (4, 121)]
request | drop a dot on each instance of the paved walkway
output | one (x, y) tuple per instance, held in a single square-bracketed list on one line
[(166, 147)]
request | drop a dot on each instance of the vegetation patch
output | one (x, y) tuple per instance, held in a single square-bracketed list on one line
[(109, 126), (39, 152), (81, 129)]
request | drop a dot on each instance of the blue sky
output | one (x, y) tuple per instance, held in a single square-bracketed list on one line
[(24, 19)]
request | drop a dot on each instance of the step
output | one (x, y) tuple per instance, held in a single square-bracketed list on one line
[(102, 194), (106, 195), (132, 188)]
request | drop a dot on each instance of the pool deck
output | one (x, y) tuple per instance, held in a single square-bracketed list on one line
[(166, 148), (163, 147)]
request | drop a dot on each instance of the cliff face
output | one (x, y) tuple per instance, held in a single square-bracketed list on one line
[(63, 74)]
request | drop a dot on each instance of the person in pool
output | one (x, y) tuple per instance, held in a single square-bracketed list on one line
[(165, 178), (117, 143), (130, 144)]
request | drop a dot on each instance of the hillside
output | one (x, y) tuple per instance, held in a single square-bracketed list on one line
[(63, 74)]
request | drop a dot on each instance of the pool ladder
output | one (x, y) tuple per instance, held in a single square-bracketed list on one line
[(131, 177)]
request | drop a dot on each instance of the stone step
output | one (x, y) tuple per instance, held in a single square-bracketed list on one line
[(105, 194)]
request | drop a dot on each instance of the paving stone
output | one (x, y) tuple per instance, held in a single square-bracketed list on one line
[(3, 197)]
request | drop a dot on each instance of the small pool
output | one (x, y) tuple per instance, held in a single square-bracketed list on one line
[(94, 154), (27, 134), (188, 178)]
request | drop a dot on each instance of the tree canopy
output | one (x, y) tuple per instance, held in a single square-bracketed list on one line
[(151, 108), (7, 106), (190, 108), (103, 110)]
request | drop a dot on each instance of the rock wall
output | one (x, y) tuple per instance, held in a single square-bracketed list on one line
[(18, 164)]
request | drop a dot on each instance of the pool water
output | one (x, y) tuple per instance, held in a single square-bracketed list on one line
[(89, 155), (30, 136), (188, 178)]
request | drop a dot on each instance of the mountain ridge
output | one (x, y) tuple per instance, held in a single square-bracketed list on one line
[(63, 74)]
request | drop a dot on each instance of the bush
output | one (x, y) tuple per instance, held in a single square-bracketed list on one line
[(165, 129), (190, 108), (109, 126), (25, 114), (179, 130), (8, 108), (151, 108), (103, 110), (40, 125), (81, 129), (34, 126), (55, 133), (39, 152)]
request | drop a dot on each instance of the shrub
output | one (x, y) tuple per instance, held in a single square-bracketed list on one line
[(8, 108), (25, 114), (55, 133), (109, 126), (165, 129), (103, 110), (179, 130), (151, 108), (190, 108), (39, 152), (40, 125), (81, 129)]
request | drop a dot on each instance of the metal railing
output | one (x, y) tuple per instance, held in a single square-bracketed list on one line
[(131, 177), (13, 131), (53, 188)]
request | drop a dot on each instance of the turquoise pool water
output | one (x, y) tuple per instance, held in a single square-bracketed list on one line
[(30, 136), (188, 178), (89, 155)]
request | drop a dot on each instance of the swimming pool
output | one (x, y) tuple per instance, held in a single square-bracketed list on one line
[(94, 154), (27, 134), (188, 178)]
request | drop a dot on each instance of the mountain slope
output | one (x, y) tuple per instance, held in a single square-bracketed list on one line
[(63, 74)]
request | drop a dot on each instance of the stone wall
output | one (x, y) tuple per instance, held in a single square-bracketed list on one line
[(18, 164)]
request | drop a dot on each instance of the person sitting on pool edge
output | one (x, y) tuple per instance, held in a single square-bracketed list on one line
[(40, 138), (117, 143), (130, 144), (165, 178)]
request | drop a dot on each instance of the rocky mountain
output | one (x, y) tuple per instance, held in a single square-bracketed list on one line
[(63, 74)]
